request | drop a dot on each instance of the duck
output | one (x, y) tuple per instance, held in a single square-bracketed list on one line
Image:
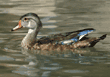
[(53, 42)]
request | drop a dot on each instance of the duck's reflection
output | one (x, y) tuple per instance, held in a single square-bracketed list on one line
[(42, 63)]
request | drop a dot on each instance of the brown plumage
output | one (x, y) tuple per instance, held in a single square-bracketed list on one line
[(88, 42)]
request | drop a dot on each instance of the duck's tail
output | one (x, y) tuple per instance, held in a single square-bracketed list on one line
[(92, 43), (102, 37)]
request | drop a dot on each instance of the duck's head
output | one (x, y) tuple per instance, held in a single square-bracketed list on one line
[(29, 20)]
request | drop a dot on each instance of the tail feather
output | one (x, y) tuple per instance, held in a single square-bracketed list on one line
[(97, 40), (102, 37)]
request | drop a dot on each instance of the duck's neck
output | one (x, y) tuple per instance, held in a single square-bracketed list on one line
[(30, 38)]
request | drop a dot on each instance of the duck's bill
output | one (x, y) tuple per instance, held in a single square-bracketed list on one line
[(17, 27)]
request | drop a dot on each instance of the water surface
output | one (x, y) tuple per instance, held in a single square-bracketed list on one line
[(57, 16)]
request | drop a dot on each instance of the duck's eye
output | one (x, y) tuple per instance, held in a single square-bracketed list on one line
[(25, 19)]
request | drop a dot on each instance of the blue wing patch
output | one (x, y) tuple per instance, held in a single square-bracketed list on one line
[(79, 36), (85, 32)]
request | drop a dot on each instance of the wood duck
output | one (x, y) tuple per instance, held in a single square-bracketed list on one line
[(61, 41)]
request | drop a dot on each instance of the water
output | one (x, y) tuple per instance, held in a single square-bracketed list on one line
[(57, 16)]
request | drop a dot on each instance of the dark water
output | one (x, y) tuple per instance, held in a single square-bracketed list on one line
[(57, 16)]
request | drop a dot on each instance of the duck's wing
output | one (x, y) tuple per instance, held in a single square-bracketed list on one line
[(65, 38)]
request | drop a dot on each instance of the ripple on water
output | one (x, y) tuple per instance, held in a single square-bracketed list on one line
[(50, 26), (6, 58), (50, 68), (46, 74), (1, 41), (25, 70), (54, 64), (76, 71)]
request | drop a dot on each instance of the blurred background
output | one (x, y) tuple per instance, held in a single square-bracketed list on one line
[(57, 16)]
